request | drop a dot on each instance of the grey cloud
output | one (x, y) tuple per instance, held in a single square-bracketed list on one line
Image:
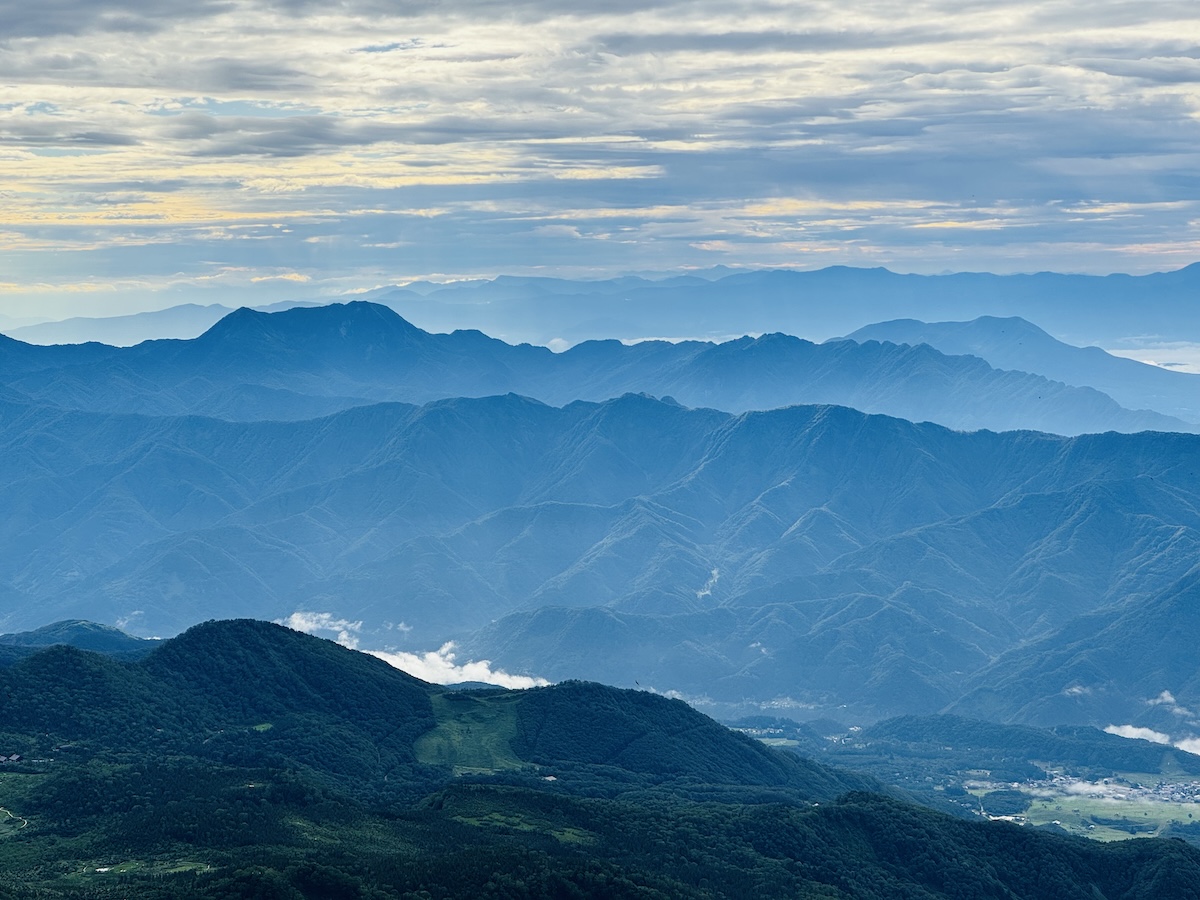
[(47, 131), (412, 44), (227, 74), (73, 17), (1177, 70), (52, 17), (626, 44), (1052, 18), (209, 135), (159, 186), (223, 135)]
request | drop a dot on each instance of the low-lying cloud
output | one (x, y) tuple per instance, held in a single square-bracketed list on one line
[(1189, 744), (1140, 734), (322, 624), (439, 666)]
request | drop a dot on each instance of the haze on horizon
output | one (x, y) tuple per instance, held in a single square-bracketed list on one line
[(241, 152)]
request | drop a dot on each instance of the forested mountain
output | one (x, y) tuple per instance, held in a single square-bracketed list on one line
[(1016, 344), (810, 553), (241, 759), (308, 362)]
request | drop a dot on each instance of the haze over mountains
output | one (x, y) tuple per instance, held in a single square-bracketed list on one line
[(811, 553), (1014, 343), (811, 556), (1082, 309), (718, 303), (302, 363)]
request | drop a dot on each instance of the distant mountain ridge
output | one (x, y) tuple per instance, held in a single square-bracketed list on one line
[(721, 302), (181, 322), (817, 304), (83, 635), (308, 362), (1016, 344)]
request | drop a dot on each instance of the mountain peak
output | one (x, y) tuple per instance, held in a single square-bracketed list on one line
[(81, 634), (344, 320), (349, 337)]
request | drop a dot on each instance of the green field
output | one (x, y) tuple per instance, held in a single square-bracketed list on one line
[(1110, 820), (473, 735)]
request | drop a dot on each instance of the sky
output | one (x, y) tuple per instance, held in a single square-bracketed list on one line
[(154, 152)]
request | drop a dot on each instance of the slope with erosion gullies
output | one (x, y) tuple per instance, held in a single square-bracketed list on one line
[(810, 528), (1119, 665), (304, 362), (1015, 344), (243, 759)]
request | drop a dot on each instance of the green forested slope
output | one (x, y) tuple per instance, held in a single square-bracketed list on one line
[(245, 760)]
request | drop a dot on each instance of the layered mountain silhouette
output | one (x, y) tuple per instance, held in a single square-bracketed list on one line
[(308, 362), (1084, 309), (1016, 344), (808, 555), (717, 303)]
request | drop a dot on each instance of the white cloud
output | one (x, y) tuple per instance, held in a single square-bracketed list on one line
[(441, 667), (1167, 699), (1144, 734), (344, 631), (1189, 745)]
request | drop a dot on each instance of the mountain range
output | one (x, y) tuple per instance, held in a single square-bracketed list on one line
[(1081, 309), (187, 320), (1014, 343), (307, 362), (810, 556), (720, 303)]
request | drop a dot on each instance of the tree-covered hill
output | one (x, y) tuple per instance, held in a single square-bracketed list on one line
[(245, 760)]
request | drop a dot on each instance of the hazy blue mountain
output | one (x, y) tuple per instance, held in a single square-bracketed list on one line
[(185, 321), (720, 303), (18, 358), (308, 362), (814, 554), (1081, 309), (1113, 664), (83, 635), (1016, 344)]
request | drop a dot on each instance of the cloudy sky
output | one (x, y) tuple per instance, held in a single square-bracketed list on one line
[(238, 151)]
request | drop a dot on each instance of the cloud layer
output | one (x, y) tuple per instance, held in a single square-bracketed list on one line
[(152, 151), (439, 666)]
